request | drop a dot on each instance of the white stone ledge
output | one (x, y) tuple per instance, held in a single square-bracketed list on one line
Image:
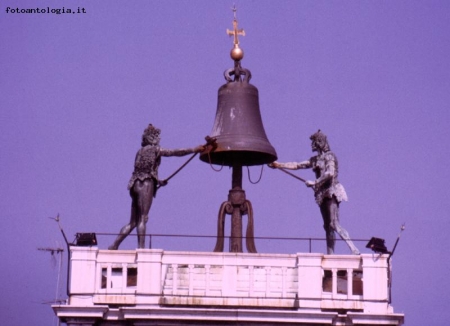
[(237, 315), (74, 311), (237, 287)]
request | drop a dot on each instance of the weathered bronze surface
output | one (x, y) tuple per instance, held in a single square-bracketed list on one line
[(327, 189), (238, 128), (240, 141), (144, 182)]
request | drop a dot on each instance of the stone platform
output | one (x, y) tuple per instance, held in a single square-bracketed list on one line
[(156, 287)]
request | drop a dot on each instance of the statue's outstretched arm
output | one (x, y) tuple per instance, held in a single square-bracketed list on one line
[(176, 152), (291, 165)]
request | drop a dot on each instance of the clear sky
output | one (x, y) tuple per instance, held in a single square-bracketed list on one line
[(77, 91)]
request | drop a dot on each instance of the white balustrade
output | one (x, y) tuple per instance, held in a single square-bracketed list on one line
[(150, 276)]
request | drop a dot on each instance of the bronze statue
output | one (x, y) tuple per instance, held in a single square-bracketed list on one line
[(144, 182), (327, 189)]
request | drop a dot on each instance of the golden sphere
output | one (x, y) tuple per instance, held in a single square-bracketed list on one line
[(237, 53)]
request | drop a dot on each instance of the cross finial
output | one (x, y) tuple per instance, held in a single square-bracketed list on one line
[(235, 32)]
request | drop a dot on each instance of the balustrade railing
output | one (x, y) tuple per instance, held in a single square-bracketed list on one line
[(207, 242)]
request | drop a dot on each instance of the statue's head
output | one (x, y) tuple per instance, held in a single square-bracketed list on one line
[(151, 136), (319, 142)]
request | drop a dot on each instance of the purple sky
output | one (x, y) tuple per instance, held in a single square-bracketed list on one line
[(77, 91)]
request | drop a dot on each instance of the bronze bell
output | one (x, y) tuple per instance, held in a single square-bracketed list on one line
[(238, 128), (237, 139)]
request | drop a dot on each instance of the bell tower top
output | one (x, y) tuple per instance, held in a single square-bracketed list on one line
[(236, 52)]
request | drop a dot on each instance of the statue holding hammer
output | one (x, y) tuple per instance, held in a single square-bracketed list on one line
[(144, 182), (327, 189)]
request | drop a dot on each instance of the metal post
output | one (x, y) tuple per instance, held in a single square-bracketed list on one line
[(236, 198)]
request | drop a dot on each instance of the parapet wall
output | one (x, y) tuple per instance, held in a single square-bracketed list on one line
[(132, 281)]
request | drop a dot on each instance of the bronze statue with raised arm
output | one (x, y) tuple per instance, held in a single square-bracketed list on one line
[(327, 189), (144, 181)]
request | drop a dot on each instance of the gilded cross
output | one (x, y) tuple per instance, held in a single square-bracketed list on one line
[(235, 32)]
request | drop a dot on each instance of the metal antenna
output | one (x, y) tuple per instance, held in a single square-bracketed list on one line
[(389, 262), (57, 250), (398, 239), (68, 244), (61, 229)]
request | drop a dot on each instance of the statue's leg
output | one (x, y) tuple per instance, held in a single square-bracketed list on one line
[(329, 231), (334, 209), (145, 190), (126, 230)]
